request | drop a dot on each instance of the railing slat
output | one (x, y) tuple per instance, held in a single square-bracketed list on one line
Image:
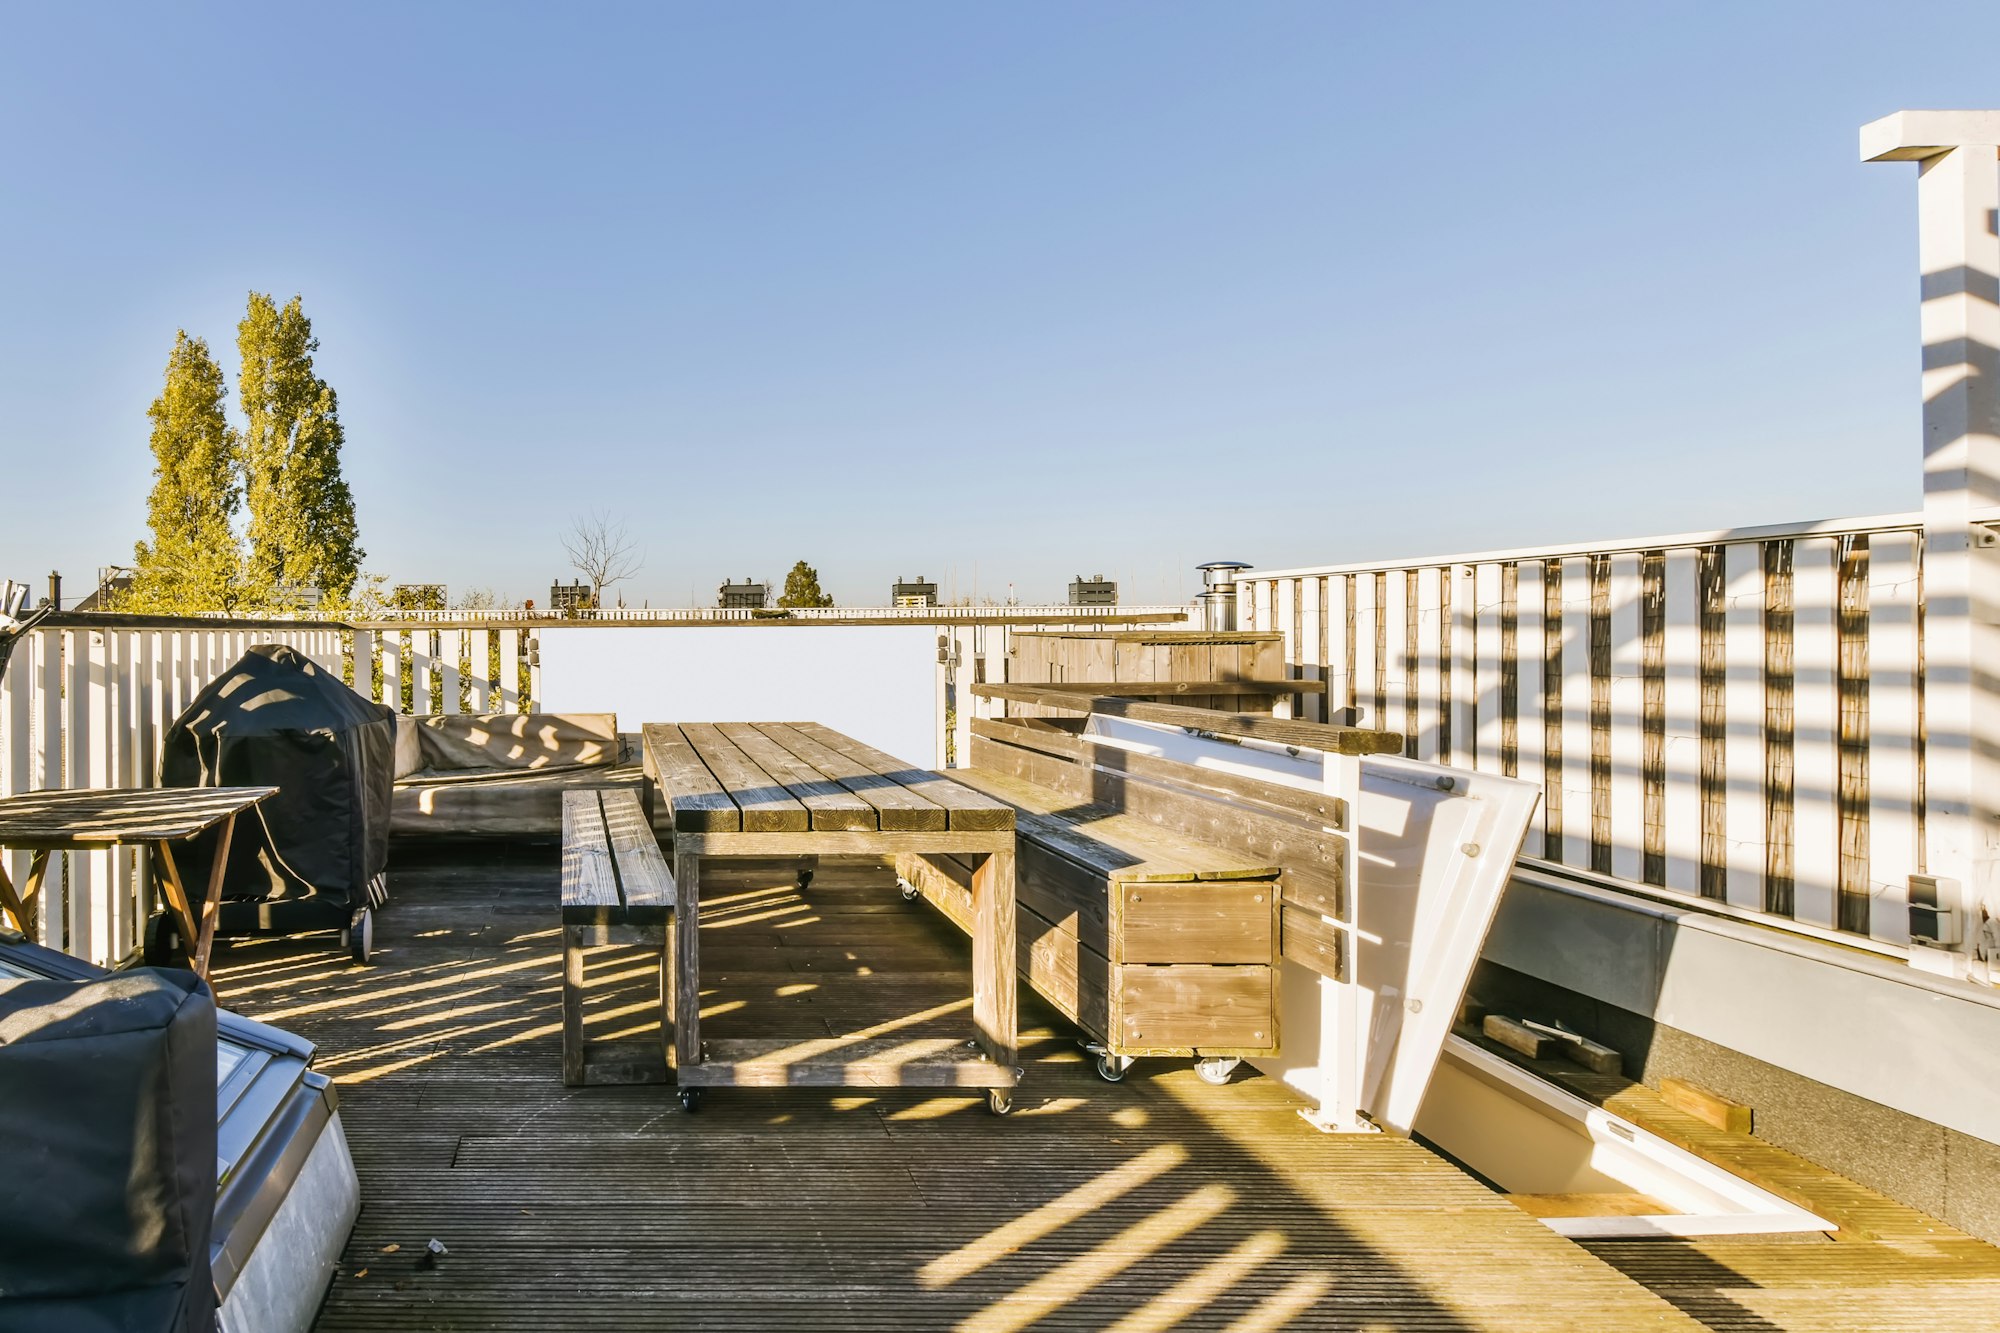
[(510, 671), (1431, 668), (1628, 810), (1743, 761), (1893, 730), (1576, 786), (1681, 794), (479, 684), (1815, 729)]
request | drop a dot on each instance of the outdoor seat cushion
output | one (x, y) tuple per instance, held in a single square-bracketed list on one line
[(453, 741)]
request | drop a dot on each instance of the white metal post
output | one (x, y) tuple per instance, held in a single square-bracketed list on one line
[(1958, 201)]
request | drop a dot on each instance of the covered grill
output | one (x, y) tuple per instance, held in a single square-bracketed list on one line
[(314, 860)]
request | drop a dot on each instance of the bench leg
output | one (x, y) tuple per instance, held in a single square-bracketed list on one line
[(572, 1006), (667, 972)]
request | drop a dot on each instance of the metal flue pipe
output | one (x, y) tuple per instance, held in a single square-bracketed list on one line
[(1218, 595)]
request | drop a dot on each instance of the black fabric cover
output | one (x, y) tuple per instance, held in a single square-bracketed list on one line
[(276, 720), (107, 1114)]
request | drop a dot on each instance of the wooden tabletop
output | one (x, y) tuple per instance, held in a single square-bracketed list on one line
[(780, 777), (58, 820)]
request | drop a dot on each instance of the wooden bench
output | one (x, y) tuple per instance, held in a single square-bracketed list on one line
[(1157, 900), (616, 889)]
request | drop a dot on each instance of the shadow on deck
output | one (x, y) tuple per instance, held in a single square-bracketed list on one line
[(1159, 1202)]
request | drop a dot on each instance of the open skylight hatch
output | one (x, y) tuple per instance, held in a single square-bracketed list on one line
[(1433, 850)]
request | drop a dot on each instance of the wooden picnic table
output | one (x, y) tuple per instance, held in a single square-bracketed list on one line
[(798, 789), (95, 819)]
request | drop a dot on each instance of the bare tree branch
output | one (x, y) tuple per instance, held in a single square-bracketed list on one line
[(601, 550)]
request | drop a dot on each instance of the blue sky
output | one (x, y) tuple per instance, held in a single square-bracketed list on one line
[(1010, 291)]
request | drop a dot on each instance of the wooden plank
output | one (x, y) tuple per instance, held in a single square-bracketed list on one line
[(1314, 807), (1120, 847), (1309, 735), (62, 819), (589, 878), (1705, 1105), (1232, 921), (845, 1062), (964, 808), (1066, 972), (767, 807), (1594, 1056), (1305, 937), (573, 939), (828, 804), (995, 994), (1148, 689), (1313, 854), (699, 801), (645, 885), (896, 806), (1516, 1036), (1196, 1007)]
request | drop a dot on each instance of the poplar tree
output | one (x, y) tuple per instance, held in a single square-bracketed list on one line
[(192, 562), (302, 529)]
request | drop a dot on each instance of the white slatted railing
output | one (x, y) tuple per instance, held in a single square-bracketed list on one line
[(88, 706), (1735, 716)]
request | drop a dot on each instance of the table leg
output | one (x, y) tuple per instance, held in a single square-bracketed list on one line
[(176, 895), (995, 1003), (10, 900), (685, 1016), (213, 900)]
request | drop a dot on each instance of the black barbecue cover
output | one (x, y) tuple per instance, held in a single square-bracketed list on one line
[(277, 720), (107, 1111)]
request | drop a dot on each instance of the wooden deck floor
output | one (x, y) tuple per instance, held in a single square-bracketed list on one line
[(1159, 1202)]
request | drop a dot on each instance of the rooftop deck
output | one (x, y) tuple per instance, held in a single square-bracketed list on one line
[(1160, 1202)]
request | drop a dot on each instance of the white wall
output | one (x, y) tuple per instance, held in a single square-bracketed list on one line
[(877, 683)]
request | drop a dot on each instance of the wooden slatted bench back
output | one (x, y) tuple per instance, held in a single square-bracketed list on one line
[(1156, 898), (1299, 831)]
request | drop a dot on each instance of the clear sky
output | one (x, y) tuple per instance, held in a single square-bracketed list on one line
[(1006, 291)]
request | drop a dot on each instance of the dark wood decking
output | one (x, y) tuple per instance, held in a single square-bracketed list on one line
[(1160, 1202)]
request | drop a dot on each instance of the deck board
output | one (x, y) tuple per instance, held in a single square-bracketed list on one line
[(1159, 1200)]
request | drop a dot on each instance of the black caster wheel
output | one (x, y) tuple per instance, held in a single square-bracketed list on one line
[(805, 879), (691, 1100), (162, 944), (911, 892), (1111, 1068), (1000, 1101), (359, 937)]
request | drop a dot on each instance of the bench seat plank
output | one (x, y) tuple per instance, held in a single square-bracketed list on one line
[(612, 870), (589, 882), (1120, 847), (645, 884)]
